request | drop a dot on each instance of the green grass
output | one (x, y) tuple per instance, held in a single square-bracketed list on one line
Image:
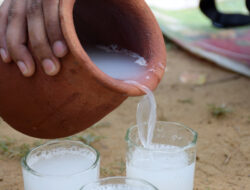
[(89, 138), (9, 148), (186, 101), (219, 111)]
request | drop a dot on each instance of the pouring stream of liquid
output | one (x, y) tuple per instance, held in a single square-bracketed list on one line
[(146, 114)]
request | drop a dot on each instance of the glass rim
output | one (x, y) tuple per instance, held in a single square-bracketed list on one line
[(142, 181), (189, 145), (26, 166)]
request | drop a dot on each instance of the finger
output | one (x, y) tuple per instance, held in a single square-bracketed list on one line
[(4, 53), (53, 27), (38, 38), (16, 38)]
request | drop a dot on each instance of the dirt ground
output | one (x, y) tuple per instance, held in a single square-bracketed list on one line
[(223, 156)]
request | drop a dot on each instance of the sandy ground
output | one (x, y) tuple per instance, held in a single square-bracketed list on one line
[(223, 158)]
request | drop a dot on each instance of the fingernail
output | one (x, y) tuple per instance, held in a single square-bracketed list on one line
[(3, 54), (23, 68), (49, 67), (60, 49)]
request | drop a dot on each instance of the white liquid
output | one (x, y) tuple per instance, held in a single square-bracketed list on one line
[(167, 171), (167, 167), (61, 169), (118, 187), (146, 113), (126, 65), (118, 63)]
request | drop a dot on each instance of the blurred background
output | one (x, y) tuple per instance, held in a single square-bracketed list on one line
[(205, 87)]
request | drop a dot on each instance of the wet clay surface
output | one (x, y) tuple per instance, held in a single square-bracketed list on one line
[(223, 159)]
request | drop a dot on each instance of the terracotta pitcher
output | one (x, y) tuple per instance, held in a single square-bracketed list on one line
[(81, 94)]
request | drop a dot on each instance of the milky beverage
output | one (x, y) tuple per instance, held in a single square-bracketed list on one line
[(126, 65), (61, 169), (164, 177), (118, 63), (165, 171), (166, 166)]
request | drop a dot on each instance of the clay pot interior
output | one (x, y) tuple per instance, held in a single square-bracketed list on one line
[(116, 22)]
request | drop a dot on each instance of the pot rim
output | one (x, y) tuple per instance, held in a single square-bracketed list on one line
[(69, 32)]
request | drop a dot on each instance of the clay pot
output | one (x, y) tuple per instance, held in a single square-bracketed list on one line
[(81, 94)]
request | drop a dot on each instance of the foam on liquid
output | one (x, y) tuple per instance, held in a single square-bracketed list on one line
[(64, 169), (118, 63), (62, 162)]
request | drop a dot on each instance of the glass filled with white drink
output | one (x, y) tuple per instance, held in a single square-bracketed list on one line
[(64, 165), (168, 161), (119, 183)]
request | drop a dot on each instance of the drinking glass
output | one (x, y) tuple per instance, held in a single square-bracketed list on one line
[(168, 162), (119, 183), (61, 164)]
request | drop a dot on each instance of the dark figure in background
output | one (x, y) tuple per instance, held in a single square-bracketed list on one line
[(221, 20)]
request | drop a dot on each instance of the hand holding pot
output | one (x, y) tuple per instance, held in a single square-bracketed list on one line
[(30, 30), (80, 94)]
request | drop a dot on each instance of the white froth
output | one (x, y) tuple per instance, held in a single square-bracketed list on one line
[(115, 49), (165, 156), (62, 161)]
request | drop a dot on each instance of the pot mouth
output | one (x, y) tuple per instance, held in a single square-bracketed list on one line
[(156, 63)]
